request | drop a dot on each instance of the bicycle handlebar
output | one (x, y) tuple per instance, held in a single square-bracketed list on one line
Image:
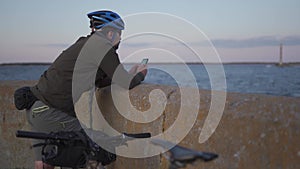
[(39, 135), (138, 135), (53, 136)]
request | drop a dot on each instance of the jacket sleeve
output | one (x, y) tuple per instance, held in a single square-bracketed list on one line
[(115, 71)]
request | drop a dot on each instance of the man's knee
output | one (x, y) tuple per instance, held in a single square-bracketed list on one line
[(41, 165)]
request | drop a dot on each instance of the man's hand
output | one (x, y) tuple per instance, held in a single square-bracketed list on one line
[(138, 68), (133, 69), (142, 68)]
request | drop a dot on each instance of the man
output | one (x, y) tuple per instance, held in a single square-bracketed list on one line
[(54, 109)]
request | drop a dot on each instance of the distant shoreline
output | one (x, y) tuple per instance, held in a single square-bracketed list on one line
[(24, 64), (191, 63)]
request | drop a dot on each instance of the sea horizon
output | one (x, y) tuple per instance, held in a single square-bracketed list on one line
[(260, 77)]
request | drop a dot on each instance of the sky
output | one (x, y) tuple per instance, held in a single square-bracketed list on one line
[(239, 30)]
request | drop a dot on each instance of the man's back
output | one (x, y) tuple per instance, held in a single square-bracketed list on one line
[(55, 85)]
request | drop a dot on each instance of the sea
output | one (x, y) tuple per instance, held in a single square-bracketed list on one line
[(256, 78)]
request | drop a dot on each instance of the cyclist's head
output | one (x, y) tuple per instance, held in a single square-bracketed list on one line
[(105, 19)]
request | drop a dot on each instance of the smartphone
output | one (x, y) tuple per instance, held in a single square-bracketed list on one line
[(144, 61)]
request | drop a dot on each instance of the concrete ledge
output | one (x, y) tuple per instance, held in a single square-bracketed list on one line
[(256, 131), (15, 153)]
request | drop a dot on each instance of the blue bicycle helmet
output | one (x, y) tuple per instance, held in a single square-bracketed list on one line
[(100, 19)]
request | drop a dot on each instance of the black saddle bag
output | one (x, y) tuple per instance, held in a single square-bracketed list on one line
[(24, 98), (74, 150), (70, 152)]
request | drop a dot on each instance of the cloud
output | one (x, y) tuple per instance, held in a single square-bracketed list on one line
[(257, 42), (57, 45), (262, 41), (137, 45), (53, 45), (291, 40)]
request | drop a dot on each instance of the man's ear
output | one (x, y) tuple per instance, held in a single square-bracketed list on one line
[(110, 35)]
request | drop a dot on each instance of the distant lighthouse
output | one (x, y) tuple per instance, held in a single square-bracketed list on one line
[(280, 55)]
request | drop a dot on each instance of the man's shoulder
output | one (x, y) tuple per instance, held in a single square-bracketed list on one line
[(83, 38), (95, 38)]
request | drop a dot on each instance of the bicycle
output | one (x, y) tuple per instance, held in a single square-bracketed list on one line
[(75, 149), (178, 156)]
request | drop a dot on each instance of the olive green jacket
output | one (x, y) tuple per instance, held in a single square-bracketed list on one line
[(91, 61)]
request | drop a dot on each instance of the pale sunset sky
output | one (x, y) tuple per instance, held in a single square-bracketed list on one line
[(240, 30)]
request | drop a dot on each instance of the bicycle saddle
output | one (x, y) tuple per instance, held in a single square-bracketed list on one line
[(179, 153), (182, 154)]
